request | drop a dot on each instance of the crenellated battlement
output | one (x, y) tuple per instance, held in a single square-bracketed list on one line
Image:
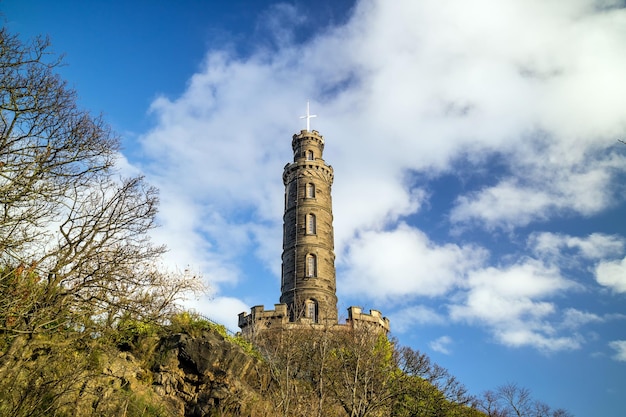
[(259, 320), (356, 318), (307, 134)]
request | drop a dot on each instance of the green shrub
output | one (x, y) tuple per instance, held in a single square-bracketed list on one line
[(194, 324), (130, 331)]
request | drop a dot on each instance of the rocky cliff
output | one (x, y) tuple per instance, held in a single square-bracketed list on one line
[(207, 375)]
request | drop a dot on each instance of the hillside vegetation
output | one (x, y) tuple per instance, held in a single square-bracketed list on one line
[(192, 367)]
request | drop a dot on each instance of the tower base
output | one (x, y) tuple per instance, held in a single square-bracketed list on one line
[(260, 320)]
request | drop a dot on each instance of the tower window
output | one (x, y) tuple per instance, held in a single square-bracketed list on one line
[(311, 265), (310, 190), (288, 195), (311, 310), (309, 155), (311, 225)]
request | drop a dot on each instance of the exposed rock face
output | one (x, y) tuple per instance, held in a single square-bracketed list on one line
[(207, 375)]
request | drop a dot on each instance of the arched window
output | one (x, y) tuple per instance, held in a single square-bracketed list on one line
[(311, 225), (309, 155), (310, 190), (311, 265), (311, 310)]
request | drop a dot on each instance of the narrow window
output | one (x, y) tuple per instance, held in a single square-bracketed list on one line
[(311, 310), (287, 194), (309, 155), (310, 190), (311, 266), (311, 224)]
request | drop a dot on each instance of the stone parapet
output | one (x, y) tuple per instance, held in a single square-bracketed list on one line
[(357, 318), (261, 319)]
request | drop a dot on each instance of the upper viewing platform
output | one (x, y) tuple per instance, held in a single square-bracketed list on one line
[(308, 146), (307, 135)]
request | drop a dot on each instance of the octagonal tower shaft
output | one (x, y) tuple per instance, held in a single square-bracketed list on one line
[(308, 282)]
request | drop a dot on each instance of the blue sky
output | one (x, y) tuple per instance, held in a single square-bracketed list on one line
[(479, 193)]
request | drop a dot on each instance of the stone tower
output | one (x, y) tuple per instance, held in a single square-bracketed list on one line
[(308, 284)]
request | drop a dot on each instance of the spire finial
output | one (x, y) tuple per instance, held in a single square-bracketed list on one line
[(308, 117)]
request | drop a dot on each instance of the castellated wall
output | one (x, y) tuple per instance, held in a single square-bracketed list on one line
[(260, 320), (356, 318)]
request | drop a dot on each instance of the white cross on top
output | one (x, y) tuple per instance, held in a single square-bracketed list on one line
[(308, 117)]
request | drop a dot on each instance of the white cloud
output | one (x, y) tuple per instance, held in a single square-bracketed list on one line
[(441, 345), (125, 168), (541, 189), (528, 336), (595, 246), (620, 350), (612, 274), (505, 203), (513, 303), (573, 319), (359, 211), (223, 310), (272, 22), (181, 225), (404, 263), (407, 318)]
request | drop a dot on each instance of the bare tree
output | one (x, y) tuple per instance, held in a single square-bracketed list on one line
[(511, 400), (427, 388), (284, 353), (516, 399), (356, 372), (362, 372), (320, 353), (491, 406), (74, 248), (47, 144), (73, 235)]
